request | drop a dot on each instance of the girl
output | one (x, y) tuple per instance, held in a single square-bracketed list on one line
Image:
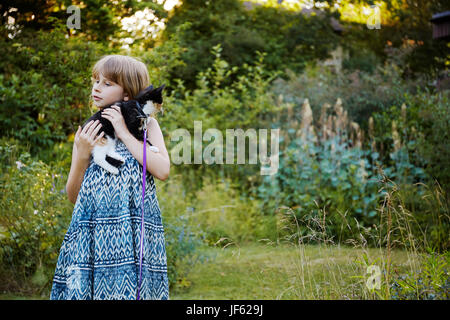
[(99, 256)]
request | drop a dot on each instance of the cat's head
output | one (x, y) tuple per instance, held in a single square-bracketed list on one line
[(151, 100)]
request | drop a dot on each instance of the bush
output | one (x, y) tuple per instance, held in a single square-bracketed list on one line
[(34, 219), (413, 216), (363, 93), (325, 176), (182, 242), (44, 86), (338, 187), (222, 216), (421, 126), (289, 38), (181, 250), (246, 103), (216, 213)]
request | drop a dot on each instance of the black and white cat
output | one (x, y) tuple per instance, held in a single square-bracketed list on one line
[(136, 115)]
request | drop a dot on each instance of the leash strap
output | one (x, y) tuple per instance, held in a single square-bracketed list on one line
[(144, 170)]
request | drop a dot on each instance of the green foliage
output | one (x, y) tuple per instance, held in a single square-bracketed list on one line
[(98, 18), (361, 60), (363, 93), (332, 185), (162, 59), (423, 128), (290, 39), (432, 282), (405, 36), (181, 251), (242, 104), (182, 242), (413, 216), (35, 215), (215, 214), (434, 134), (44, 88), (209, 23), (221, 217), (245, 103), (329, 182)]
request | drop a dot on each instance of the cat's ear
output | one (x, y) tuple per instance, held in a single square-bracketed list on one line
[(157, 95), (144, 94), (160, 89)]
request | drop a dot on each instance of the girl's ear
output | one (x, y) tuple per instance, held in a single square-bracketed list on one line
[(125, 97)]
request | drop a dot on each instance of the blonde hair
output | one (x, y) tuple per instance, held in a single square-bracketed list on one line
[(128, 72)]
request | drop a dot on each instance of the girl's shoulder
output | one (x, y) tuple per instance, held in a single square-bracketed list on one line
[(152, 124)]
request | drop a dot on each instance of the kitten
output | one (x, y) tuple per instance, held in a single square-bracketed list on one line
[(136, 114)]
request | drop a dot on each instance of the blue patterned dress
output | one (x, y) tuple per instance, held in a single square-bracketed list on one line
[(99, 256)]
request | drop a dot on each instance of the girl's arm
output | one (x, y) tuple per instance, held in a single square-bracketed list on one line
[(76, 174), (83, 144), (158, 164)]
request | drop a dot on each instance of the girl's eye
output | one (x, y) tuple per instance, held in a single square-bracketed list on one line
[(108, 84)]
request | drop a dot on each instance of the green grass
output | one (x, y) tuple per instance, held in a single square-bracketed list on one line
[(259, 271), (10, 296)]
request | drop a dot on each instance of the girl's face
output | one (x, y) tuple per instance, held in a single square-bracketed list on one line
[(105, 92)]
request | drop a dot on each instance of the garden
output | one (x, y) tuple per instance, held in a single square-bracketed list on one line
[(358, 204)]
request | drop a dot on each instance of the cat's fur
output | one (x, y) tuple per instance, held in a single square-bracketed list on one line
[(136, 115)]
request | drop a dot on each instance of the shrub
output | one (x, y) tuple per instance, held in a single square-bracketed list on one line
[(44, 86), (363, 93), (35, 216), (421, 128), (326, 176), (289, 38), (217, 214), (246, 103), (223, 217)]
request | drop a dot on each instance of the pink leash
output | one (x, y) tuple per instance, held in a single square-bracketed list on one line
[(144, 169)]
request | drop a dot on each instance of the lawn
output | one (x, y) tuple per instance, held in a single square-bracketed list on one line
[(258, 271)]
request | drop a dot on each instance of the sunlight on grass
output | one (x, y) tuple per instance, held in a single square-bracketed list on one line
[(283, 272)]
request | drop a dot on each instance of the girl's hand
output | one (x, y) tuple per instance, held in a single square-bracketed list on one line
[(85, 139), (114, 115)]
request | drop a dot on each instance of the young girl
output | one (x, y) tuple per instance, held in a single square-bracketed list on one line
[(99, 256)]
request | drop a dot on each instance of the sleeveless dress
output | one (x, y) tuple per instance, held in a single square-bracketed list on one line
[(99, 256)]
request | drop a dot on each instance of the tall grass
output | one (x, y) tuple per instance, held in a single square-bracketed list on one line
[(409, 268)]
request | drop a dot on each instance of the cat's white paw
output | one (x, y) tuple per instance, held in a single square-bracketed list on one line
[(110, 169), (154, 149), (121, 159), (114, 170)]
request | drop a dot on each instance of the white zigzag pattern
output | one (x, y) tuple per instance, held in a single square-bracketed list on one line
[(99, 256)]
